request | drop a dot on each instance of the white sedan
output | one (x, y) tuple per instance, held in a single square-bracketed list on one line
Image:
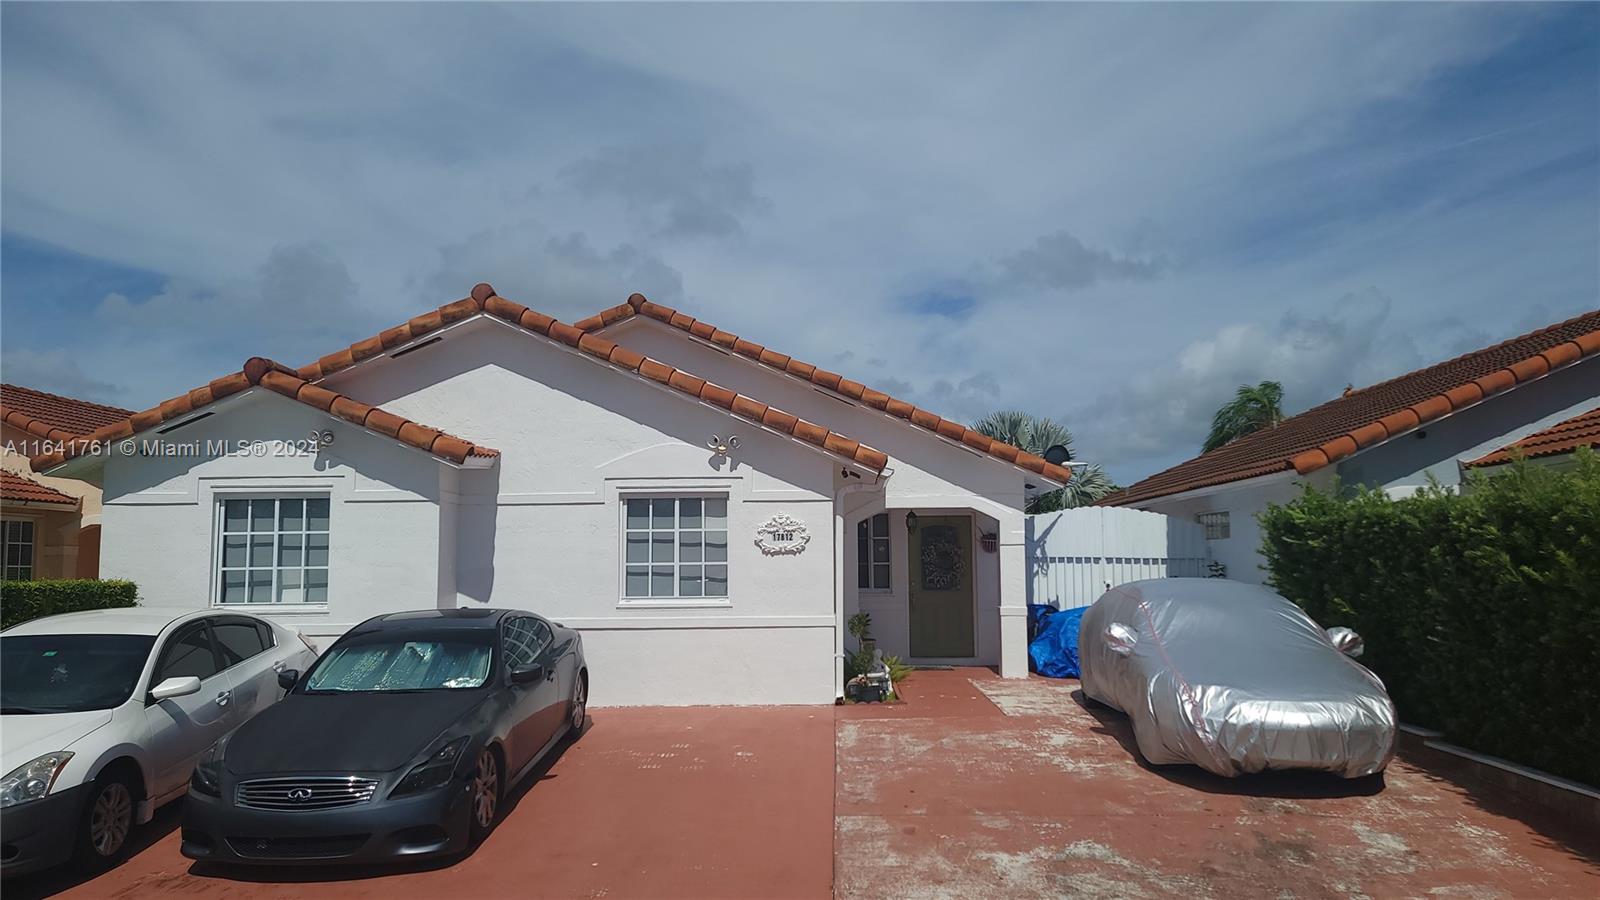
[(103, 715)]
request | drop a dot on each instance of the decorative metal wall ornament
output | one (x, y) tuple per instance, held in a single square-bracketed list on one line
[(782, 535)]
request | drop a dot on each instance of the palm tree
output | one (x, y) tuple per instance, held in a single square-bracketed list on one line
[(1251, 409), (1036, 434)]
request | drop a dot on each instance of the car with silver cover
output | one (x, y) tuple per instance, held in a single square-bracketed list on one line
[(1235, 679)]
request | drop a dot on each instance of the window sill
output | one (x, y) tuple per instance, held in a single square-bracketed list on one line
[(675, 603), (302, 609)]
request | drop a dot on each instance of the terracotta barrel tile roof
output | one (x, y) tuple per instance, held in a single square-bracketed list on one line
[(14, 488), (485, 300), (1347, 425), (1564, 437), (52, 415), (279, 379), (852, 390)]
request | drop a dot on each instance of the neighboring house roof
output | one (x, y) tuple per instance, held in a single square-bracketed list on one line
[(40, 414), (853, 390), (1341, 427), (14, 488), (485, 300), (1564, 437), (282, 380)]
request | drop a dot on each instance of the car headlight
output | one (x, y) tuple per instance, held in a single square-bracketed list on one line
[(32, 780), (207, 778), (432, 772)]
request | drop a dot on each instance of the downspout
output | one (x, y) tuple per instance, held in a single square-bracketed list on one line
[(839, 573)]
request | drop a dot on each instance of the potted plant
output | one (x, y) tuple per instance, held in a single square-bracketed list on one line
[(858, 626)]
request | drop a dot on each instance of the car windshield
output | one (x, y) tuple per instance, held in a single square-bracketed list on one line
[(50, 673), (400, 665)]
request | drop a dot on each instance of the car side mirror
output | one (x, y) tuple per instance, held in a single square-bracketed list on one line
[(531, 673), (175, 687), (1346, 641), (1120, 639), (288, 678)]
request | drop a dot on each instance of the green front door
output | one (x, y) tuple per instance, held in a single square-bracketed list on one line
[(941, 588)]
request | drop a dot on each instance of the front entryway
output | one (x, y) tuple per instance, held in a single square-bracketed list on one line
[(943, 624)]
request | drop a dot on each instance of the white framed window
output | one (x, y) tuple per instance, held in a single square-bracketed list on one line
[(18, 534), (272, 550), (872, 553), (674, 548), (1216, 525)]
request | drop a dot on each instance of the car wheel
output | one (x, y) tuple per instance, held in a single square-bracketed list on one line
[(485, 793), (580, 708), (107, 823)]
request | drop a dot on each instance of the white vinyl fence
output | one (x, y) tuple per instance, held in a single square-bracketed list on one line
[(1078, 554)]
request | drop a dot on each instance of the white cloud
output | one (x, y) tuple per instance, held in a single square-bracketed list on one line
[(1197, 173), (57, 372)]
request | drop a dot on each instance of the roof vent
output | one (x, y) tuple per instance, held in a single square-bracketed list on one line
[(415, 347)]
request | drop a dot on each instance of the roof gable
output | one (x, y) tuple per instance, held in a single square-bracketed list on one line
[(854, 391), (283, 380), (1582, 430), (484, 301), (1326, 434)]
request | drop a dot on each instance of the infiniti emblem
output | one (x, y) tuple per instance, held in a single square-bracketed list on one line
[(300, 795)]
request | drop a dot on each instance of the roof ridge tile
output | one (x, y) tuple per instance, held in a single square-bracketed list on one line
[(852, 390), (1345, 425), (280, 379), (580, 336)]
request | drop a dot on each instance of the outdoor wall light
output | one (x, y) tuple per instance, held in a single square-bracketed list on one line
[(911, 520), (722, 447)]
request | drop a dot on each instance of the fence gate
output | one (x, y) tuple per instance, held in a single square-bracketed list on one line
[(1075, 555)]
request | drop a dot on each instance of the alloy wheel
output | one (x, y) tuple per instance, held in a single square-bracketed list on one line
[(111, 819), (485, 789), (580, 705)]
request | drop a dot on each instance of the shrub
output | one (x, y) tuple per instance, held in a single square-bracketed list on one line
[(898, 668), (24, 600), (1480, 609)]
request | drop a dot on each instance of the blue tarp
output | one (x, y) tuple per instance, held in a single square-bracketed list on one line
[(1054, 653)]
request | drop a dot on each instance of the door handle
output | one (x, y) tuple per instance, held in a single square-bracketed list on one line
[(224, 697), (277, 666)]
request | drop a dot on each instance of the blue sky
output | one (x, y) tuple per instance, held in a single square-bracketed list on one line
[(1109, 214)]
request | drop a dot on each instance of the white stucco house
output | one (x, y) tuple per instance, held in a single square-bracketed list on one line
[(1433, 423), (706, 510)]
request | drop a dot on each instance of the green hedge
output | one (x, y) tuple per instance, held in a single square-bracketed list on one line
[(1480, 609), (24, 600)]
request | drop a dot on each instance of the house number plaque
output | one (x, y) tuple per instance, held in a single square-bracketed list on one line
[(781, 535)]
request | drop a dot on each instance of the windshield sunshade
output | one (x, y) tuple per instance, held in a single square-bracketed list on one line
[(403, 666)]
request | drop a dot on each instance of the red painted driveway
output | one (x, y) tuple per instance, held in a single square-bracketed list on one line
[(691, 803), (974, 787)]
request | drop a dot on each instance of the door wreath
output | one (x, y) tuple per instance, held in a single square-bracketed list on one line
[(943, 563)]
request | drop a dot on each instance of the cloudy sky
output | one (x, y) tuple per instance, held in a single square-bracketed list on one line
[(1108, 214)]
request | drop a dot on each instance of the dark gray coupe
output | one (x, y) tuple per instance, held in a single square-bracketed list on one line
[(399, 743)]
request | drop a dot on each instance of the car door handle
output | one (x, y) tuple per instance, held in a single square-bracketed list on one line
[(277, 666), (224, 697)]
